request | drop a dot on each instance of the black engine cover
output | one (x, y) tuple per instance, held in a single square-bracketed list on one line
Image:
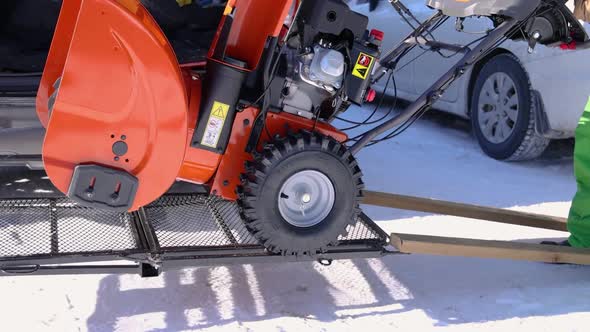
[(330, 17)]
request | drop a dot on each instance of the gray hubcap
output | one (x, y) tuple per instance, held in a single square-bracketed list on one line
[(498, 108), (306, 199)]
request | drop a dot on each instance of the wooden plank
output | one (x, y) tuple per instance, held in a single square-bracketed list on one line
[(464, 210), (445, 246)]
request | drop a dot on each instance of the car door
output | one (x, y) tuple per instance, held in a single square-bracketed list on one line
[(430, 66)]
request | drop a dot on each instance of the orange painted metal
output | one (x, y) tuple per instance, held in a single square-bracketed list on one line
[(233, 162), (193, 65), (57, 56), (120, 81), (232, 165), (281, 123), (246, 42), (198, 165), (254, 21)]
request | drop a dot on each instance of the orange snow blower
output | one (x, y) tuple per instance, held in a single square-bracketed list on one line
[(124, 120)]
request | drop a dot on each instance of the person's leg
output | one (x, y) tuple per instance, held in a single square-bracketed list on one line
[(579, 218)]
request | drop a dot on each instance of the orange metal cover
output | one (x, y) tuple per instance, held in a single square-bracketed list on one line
[(119, 81), (57, 56), (198, 165), (254, 22), (233, 162)]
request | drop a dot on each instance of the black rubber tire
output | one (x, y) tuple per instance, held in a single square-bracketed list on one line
[(524, 143), (279, 161)]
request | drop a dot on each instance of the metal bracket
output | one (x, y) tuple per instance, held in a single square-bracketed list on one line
[(103, 188)]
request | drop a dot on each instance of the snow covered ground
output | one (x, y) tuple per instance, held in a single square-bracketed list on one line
[(436, 158)]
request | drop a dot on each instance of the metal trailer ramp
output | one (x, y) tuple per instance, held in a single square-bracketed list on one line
[(53, 235), (44, 233)]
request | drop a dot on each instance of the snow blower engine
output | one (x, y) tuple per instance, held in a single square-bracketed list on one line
[(124, 121)]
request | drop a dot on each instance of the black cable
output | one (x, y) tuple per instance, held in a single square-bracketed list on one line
[(410, 62), (339, 94), (400, 129), (273, 72), (517, 28), (391, 78), (367, 121), (407, 124), (393, 104), (430, 31), (410, 122), (439, 52), (408, 21), (278, 59), (358, 124), (416, 117), (272, 75), (391, 108), (265, 113), (317, 119), (402, 10)]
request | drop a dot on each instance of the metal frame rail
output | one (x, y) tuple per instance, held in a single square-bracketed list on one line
[(178, 231), (153, 251)]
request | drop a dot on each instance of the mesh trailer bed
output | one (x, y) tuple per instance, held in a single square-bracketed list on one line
[(42, 232)]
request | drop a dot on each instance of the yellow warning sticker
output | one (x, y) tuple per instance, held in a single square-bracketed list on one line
[(363, 65), (215, 125)]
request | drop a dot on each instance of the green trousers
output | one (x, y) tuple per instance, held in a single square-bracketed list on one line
[(579, 218)]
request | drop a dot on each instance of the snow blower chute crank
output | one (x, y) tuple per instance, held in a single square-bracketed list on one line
[(252, 128)]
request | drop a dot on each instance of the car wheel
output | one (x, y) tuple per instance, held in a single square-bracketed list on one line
[(503, 111)]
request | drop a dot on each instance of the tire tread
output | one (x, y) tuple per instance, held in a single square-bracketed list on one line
[(532, 144), (276, 152)]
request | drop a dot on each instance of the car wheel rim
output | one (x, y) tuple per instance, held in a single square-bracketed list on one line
[(306, 199), (498, 108)]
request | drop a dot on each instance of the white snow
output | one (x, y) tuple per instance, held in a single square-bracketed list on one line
[(437, 158)]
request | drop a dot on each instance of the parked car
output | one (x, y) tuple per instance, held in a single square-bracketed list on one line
[(517, 101)]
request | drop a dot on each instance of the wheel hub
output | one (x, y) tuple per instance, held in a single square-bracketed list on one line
[(498, 108), (306, 199)]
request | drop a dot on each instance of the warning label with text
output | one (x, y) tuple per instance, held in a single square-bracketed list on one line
[(215, 125), (363, 65)]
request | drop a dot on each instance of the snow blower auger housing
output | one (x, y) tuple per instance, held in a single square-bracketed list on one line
[(124, 121)]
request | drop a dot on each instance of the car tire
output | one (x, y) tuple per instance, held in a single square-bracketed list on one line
[(503, 111)]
